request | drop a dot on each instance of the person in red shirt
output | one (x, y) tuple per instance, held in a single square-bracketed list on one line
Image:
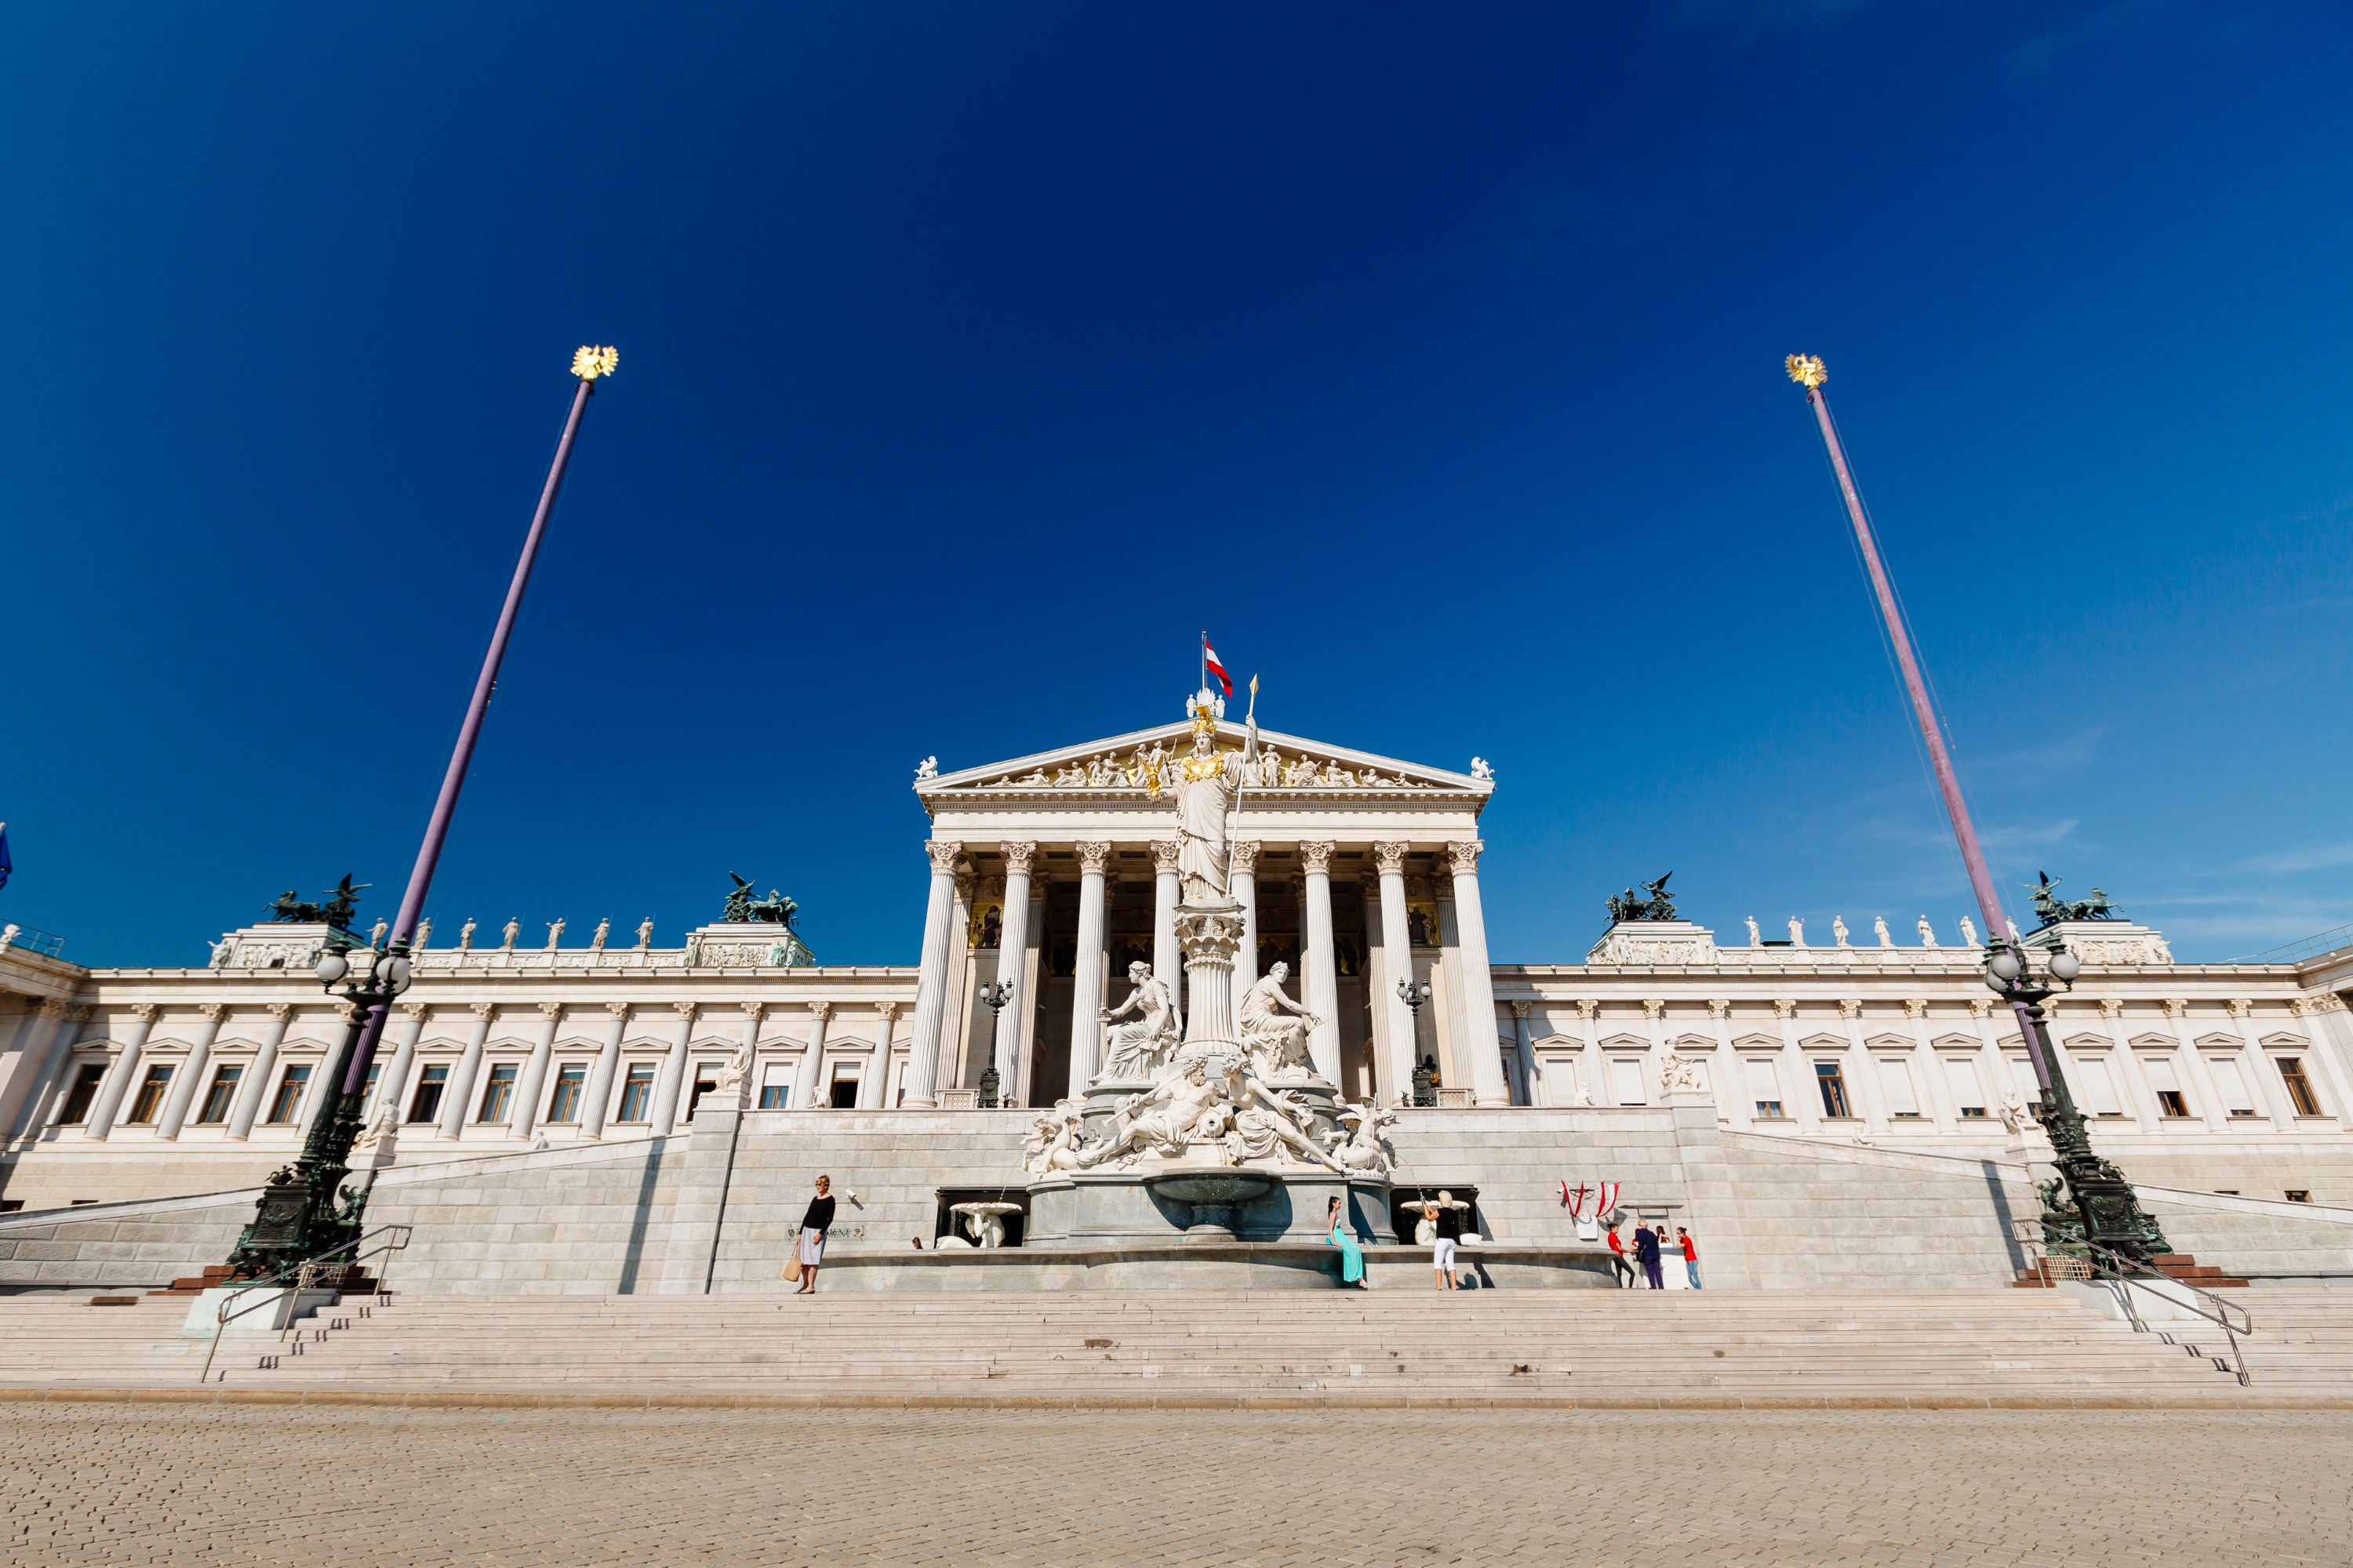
[(1691, 1255), (1623, 1270)]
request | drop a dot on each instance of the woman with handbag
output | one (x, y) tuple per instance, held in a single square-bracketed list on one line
[(808, 1249)]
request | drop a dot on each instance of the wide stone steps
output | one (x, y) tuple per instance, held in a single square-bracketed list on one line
[(1499, 1345)]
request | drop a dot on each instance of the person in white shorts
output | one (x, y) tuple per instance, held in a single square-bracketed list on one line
[(1446, 1221)]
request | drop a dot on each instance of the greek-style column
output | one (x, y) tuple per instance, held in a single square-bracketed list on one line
[(256, 1090), (1396, 945), (1802, 1093), (118, 1082), (874, 1084), (1245, 893), (1726, 1074), (1087, 980), (2314, 1012), (748, 1048), (673, 1074), (1477, 987), (459, 1094), (1323, 981), (1935, 1086), (1593, 1064), (931, 979), (314, 1093), (36, 1068), (2261, 1065), (1864, 1094), (600, 1082), (1527, 1054), (2204, 1097), (394, 1084), (805, 1077), (184, 1087), (2132, 1081), (1167, 963), (525, 1114), (1013, 965)]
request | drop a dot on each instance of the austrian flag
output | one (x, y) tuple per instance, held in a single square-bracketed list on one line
[(1209, 660)]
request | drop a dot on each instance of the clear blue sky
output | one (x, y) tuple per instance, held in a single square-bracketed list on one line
[(974, 356)]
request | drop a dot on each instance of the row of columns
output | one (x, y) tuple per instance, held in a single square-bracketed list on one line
[(1471, 993)]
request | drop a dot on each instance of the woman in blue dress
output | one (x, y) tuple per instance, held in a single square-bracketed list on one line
[(1352, 1256)]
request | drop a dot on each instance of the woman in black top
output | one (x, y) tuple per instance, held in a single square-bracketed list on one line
[(814, 1224)]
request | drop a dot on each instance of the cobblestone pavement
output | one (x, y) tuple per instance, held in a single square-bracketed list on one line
[(86, 1484)]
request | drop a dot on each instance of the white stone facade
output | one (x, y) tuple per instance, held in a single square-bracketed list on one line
[(1052, 873)]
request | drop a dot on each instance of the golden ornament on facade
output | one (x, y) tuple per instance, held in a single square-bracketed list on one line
[(590, 363), (1807, 370)]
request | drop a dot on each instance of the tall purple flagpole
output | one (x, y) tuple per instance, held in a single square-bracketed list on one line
[(588, 365), (1807, 371)]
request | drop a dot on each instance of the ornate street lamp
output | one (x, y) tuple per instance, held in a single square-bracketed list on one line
[(996, 993), (1413, 994), (300, 1216), (2103, 1200)]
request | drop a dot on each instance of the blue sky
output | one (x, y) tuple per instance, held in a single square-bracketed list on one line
[(973, 356)]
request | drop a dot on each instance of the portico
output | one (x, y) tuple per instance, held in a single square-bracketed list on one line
[(1055, 872)]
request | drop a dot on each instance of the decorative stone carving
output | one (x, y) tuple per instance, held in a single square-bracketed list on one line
[(554, 934), (645, 933), (1205, 793), (1018, 857), (927, 769), (143, 1011), (1389, 859), (423, 937), (1969, 932), (617, 1009), (1851, 1007), (1480, 769), (512, 930), (1519, 1008), (1797, 931), (1784, 1007), (2175, 1007), (1915, 1007), (1654, 943), (2237, 1007), (2112, 1007), (211, 1010), (1364, 1145), (1719, 1007), (1980, 1007), (551, 1010), (1094, 854), (466, 937), (1879, 929), (415, 1010), (1275, 1028), (1141, 1048), (1838, 931), (2109, 943), (596, 939), (1462, 857), (947, 856), (985, 1222), (1928, 933), (1681, 1074), (1164, 852), (1654, 1008), (1314, 856), (686, 1010), (1246, 853)]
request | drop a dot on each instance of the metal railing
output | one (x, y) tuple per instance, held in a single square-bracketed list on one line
[(48, 944), (2128, 1273), (2328, 941), (325, 1272)]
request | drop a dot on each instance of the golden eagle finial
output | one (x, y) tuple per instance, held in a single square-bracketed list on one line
[(590, 363), (1807, 370)]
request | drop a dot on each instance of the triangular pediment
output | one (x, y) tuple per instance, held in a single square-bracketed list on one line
[(1124, 765)]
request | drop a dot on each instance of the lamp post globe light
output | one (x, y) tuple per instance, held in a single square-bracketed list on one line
[(1413, 994), (995, 994), (2107, 1212), (303, 1211)]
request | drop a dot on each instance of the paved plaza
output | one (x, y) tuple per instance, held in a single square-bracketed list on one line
[(117, 1484)]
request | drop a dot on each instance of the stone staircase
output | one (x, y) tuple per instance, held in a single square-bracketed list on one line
[(1495, 1347)]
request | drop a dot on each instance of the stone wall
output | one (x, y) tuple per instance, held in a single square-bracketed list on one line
[(2246, 1236), (1865, 1219), (134, 1245)]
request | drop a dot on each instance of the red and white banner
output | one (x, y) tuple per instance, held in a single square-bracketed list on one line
[(1209, 658), (1608, 1203)]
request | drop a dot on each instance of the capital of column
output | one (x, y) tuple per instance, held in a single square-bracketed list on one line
[(483, 1010), (888, 1009), (945, 854), (686, 1010), (347, 1011), (1164, 856), (1316, 857), (1463, 857), (1019, 858), (1246, 853), (1719, 1007), (1784, 1007), (213, 1010), (2176, 1006), (1980, 1007), (57, 1007), (2239, 1006), (618, 1010), (1850, 1007), (2112, 1007), (1654, 1007), (752, 1010), (1519, 1010), (143, 1011), (551, 1010), (1588, 1006), (1389, 859), (1915, 1007), (1093, 854), (416, 1010)]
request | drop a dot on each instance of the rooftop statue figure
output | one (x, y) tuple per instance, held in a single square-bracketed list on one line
[(1658, 904), (2049, 908)]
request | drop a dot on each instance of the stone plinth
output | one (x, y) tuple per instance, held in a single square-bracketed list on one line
[(1084, 1207)]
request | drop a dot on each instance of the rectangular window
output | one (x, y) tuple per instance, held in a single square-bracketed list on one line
[(637, 1094), (571, 1084), (2171, 1102), (498, 1095), (289, 1098), (1626, 1080), (706, 1078), (2299, 1195), (1832, 1083), (2098, 1087), (1895, 1083), (424, 1105), (1764, 1088), (367, 1090), (776, 1085), (76, 1110), (220, 1097), (1968, 1099), (2232, 1085), (149, 1102), (844, 1091), (2021, 1078), (2299, 1087)]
